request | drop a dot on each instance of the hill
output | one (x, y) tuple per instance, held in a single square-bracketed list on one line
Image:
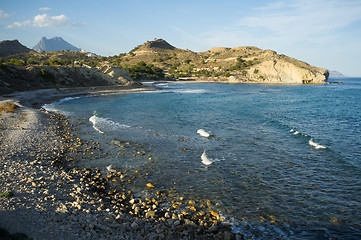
[(10, 47), (53, 45), (159, 60), (240, 64)]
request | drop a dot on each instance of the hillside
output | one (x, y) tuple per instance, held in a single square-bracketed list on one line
[(241, 64), (159, 60), (53, 45), (11, 47), (15, 78)]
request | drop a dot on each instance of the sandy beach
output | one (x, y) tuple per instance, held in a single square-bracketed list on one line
[(53, 199)]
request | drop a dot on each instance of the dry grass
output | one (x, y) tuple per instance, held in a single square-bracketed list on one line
[(8, 107)]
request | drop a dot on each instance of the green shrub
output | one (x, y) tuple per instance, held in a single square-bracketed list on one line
[(7, 194), (47, 76), (16, 62), (145, 71), (32, 62)]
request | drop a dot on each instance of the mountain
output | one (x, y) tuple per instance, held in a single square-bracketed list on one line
[(239, 65), (53, 45), (336, 74), (10, 47)]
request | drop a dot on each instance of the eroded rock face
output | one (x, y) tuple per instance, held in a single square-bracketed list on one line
[(116, 74), (280, 69), (283, 71)]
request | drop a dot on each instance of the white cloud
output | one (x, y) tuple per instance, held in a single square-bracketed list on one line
[(3, 14), (44, 20), (303, 18), (44, 9)]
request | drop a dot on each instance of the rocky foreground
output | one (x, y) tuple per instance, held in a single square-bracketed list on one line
[(45, 196)]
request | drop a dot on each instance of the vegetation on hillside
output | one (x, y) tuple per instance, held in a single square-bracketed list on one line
[(143, 71), (157, 60)]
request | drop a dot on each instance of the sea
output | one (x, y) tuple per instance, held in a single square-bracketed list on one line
[(278, 161)]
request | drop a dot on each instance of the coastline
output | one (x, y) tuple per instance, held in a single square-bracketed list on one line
[(55, 200)]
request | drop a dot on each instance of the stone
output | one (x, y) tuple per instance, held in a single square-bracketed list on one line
[(228, 235), (213, 228), (134, 226), (150, 214)]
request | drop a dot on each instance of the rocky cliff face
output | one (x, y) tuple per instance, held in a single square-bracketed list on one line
[(281, 69), (115, 75)]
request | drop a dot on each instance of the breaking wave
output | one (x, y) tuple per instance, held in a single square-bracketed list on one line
[(104, 124)]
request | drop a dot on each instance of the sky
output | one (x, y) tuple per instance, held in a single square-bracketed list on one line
[(323, 33)]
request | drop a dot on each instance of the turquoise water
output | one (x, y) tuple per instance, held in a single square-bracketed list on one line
[(285, 160)]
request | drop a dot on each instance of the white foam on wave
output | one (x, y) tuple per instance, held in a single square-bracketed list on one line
[(161, 85), (203, 133), (105, 124), (316, 145), (190, 91), (52, 106), (294, 132), (66, 99), (205, 159), (197, 91)]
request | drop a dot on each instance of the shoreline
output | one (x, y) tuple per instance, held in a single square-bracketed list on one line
[(60, 201)]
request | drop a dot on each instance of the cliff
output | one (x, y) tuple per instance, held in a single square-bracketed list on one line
[(282, 70)]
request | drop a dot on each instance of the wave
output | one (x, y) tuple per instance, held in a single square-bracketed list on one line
[(205, 160), (105, 124), (203, 133), (316, 145), (161, 85), (52, 106), (310, 139), (185, 91)]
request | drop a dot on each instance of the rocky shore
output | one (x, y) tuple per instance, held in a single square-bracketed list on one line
[(49, 197)]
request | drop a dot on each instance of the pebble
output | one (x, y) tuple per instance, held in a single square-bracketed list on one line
[(134, 225), (85, 207)]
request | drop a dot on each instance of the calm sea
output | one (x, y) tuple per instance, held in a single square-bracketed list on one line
[(284, 162)]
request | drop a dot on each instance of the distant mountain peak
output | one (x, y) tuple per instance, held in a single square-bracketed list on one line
[(53, 45), (336, 74)]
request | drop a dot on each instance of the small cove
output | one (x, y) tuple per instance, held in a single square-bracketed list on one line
[(286, 159)]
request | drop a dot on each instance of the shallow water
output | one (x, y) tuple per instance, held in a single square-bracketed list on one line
[(283, 161)]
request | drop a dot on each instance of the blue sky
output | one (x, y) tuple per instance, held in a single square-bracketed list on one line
[(324, 33)]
